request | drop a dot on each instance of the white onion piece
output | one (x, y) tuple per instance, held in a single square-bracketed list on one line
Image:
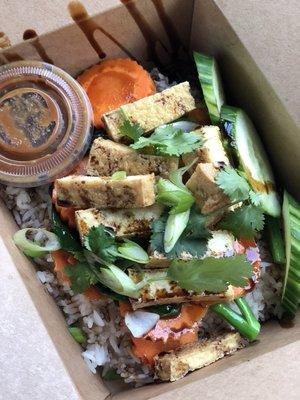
[(140, 322)]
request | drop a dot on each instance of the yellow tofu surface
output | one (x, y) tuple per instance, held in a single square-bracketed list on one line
[(164, 291), (127, 222), (208, 195), (103, 192), (107, 157), (152, 111), (212, 151), (177, 363)]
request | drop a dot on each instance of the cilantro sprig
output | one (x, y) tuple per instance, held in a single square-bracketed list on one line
[(166, 140), (244, 221), (101, 251), (81, 276), (192, 242), (130, 130), (170, 141), (211, 274), (234, 185)]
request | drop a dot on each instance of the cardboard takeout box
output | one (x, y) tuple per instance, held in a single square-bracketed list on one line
[(38, 357)]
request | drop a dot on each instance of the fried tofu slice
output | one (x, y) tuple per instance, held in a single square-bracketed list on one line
[(107, 157), (104, 192), (208, 195), (212, 151), (152, 111), (177, 363), (164, 291), (129, 222)]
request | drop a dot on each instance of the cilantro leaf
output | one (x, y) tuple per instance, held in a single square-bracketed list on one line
[(196, 247), (196, 227), (243, 222), (255, 198), (233, 184), (133, 131), (101, 241), (81, 277), (171, 141), (210, 274)]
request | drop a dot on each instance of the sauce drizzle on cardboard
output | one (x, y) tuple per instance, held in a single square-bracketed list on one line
[(31, 34), (88, 26), (149, 34), (168, 25)]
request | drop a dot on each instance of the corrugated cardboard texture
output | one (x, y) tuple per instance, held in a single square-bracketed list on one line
[(36, 345)]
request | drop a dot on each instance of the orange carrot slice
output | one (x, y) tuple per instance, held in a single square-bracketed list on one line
[(113, 83), (61, 259), (93, 294), (169, 334)]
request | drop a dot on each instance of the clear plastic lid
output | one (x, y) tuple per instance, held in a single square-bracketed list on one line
[(45, 123)]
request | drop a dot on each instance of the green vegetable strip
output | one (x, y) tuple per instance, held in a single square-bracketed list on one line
[(176, 224), (246, 323), (77, 334), (211, 84), (275, 239), (291, 287), (247, 313), (67, 239), (35, 248)]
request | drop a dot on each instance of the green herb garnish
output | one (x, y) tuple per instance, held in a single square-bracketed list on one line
[(244, 221), (171, 141), (210, 274)]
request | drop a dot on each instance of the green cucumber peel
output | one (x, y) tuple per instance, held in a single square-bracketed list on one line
[(253, 159), (291, 285), (211, 84)]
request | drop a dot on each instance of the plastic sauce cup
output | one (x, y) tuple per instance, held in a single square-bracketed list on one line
[(45, 123)]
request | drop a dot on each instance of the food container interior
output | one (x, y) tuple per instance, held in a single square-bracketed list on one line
[(161, 33)]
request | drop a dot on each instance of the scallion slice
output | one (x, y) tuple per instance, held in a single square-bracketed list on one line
[(134, 252), (36, 242)]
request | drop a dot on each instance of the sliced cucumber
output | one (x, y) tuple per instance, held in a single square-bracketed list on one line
[(275, 239), (291, 287), (211, 85), (253, 158)]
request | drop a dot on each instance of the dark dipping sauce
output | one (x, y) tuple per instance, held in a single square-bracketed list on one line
[(45, 123)]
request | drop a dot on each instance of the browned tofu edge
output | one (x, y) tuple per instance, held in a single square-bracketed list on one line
[(177, 363)]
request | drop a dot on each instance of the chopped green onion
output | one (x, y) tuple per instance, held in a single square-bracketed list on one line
[(118, 281), (245, 323), (77, 334), (111, 375), (134, 252), (42, 241), (173, 196), (118, 176), (176, 224)]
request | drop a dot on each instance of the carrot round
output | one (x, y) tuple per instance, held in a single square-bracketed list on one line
[(113, 83), (169, 334), (61, 259)]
